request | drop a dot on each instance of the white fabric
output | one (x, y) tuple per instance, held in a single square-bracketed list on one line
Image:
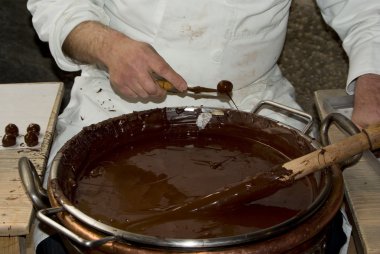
[(203, 40), (347, 229), (357, 23), (249, 34)]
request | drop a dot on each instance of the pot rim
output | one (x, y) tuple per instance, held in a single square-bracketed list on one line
[(55, 192)]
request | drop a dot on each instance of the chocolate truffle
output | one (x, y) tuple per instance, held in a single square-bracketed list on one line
[(11, 129), (224, 86), (31, 139), (9, 140), (33, 127)]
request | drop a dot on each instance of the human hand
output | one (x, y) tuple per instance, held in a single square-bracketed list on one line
[(367, 100), (132, 66), (130, 63)]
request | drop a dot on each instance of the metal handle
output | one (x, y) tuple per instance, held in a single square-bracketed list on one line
[(37, 194), (42, 215), (347, 125), (32, 183), (288, 109)]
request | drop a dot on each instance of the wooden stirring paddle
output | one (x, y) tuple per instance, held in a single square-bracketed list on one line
[(267, 183)]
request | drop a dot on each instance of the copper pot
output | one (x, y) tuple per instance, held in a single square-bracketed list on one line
[(305, 233)]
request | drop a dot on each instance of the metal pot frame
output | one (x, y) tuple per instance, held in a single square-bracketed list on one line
[(39, 198)]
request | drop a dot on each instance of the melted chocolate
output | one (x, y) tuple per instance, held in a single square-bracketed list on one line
[(157, 173), (225, 86), (144, 164)]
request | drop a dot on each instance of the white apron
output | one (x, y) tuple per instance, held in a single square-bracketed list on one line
[(205, 42)]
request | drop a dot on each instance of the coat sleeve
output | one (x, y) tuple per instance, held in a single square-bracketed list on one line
[(357, 22), (54, 19)]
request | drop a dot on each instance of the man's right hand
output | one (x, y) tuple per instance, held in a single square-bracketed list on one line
[(130, 63)]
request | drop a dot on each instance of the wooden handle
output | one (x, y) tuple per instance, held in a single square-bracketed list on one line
[(166, 85), (338, 152)]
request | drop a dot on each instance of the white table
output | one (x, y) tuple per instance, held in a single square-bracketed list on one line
[(22, 104)]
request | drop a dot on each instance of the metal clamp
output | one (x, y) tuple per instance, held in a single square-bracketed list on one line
[(42, 215), (288, 109), (32, 183), (37, 194), (347, 125)]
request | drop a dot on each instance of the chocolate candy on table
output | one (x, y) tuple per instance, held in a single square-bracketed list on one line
[(9, 140), (11, 129), (31, 139), (33, 127)]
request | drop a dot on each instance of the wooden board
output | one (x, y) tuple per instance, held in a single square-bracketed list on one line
[(16, 210), (362, 186), (9, 245)]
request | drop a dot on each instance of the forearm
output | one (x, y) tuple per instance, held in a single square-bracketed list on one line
[(90, 43), (130, 63), (53, 20), (367, 100), (357, 24)]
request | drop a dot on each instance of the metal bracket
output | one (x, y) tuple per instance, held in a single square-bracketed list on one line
[(347, 125), (305, 115), (42, 215), (32, 183)]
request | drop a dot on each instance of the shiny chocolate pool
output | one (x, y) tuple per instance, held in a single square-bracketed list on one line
[(153, 174), (127, 170)]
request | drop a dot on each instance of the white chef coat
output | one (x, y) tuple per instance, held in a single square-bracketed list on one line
[(238, 40), (203, 40)]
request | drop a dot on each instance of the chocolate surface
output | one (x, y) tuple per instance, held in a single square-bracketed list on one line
[(33, 127), (8, 140), (31, 139), (152, 175), (225, 86), (150, 162), (11, 129)]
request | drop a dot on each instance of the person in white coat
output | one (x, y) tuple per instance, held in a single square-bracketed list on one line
[(121, 45)]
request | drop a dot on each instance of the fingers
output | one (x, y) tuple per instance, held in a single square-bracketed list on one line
[(129, 63), (143, 87), (164, 70), (131, 71)]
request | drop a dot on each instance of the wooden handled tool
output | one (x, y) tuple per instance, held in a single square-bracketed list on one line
[(167, 86), (283, 175), (368, 139), (280, 176), (223, 87)]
